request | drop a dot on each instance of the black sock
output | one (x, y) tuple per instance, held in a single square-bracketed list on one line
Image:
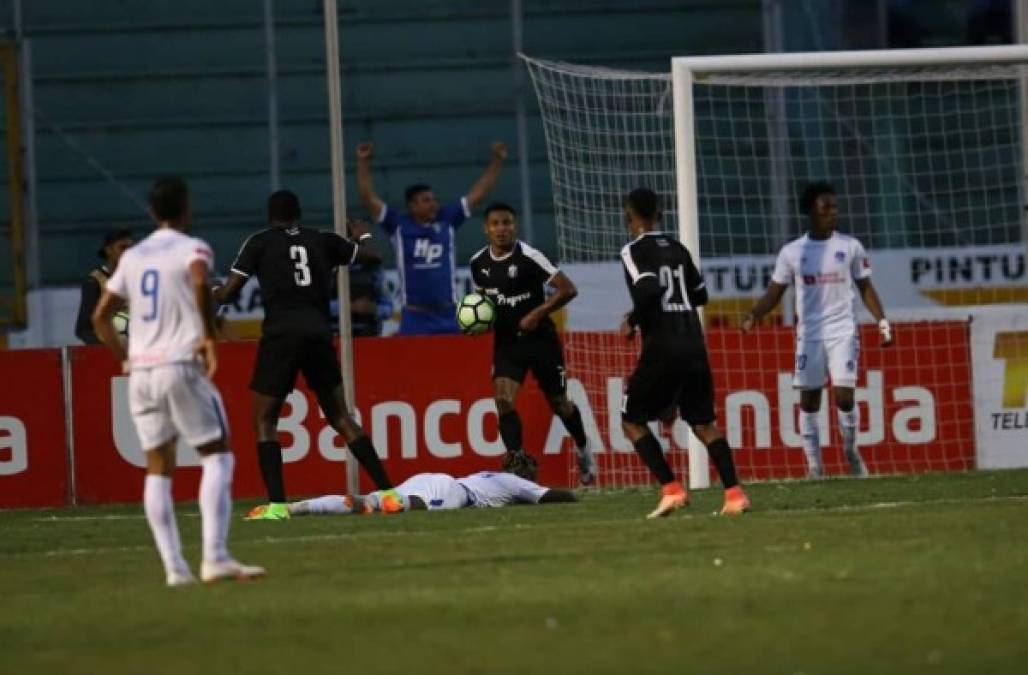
[(721, 454), (652, 455), (269, 454), (573, 423), (365, 453), (510, 430)]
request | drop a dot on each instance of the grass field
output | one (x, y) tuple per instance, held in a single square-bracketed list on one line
[(898, 575)]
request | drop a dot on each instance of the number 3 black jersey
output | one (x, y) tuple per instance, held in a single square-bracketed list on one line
[(516, 283), (295, 269), (666, 288)]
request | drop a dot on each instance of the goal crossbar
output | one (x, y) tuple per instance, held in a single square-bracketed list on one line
[(882, 58)]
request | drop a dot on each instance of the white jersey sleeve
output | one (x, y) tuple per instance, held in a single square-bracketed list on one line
[(200, 251), (116, 283), (784, 270), (861, 265)]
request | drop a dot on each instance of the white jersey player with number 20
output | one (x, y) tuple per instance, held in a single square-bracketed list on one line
[(825, 266), (171, 357)]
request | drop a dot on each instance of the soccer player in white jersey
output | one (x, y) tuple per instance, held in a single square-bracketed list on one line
[(171, 357), (825, 265), (442, 492)]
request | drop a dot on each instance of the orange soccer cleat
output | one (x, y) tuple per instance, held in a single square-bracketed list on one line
[(736, 502), (673, 497)]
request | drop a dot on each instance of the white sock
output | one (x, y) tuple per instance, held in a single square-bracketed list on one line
[(848, 424), (216, 504), (328, 504), (811, 442), (160, 513)]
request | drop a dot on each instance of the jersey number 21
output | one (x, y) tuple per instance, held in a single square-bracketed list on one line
[(675, 298)]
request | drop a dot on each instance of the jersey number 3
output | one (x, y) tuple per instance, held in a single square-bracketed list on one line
[(302, 275), (675, 298)]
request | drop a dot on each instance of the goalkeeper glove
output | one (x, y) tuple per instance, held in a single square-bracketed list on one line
[(885, 329)]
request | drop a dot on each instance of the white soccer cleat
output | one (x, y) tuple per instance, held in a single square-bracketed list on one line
[(176, 579), (587, 470), (229, 570)]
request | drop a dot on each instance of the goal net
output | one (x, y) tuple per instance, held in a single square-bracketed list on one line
[(926, 157)]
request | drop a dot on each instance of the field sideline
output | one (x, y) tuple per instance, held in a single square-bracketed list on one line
[(905, 575)]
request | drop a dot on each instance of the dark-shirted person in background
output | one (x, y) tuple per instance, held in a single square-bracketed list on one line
[(370, 303), (115, 242)]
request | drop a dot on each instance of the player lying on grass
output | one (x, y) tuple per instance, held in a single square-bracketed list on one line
[(441, 492)]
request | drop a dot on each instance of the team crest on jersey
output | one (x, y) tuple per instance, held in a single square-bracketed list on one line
[(851, 366), (512, 271), (840, 256)]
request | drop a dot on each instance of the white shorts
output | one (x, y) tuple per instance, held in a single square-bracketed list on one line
[(174, 400), (439, 491), (817, 360)]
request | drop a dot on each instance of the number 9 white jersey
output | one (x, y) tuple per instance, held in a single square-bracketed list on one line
[(153, 276)]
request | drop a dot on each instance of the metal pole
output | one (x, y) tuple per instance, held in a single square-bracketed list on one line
[(69, 424), (517, 30), (272, 71), (778, 137), (26, 107), (883, 24), (26, 96), (1020, 11), (335, 126), (688, 220)]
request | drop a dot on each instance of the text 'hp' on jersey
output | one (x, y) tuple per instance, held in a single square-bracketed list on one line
[(425, 254), (295, 267)]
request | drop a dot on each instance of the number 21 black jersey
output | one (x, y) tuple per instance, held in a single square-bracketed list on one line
[(666, 288)]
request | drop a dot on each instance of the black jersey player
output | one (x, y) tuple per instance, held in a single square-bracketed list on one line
[(673, 368), (514, 276), (295, 267)]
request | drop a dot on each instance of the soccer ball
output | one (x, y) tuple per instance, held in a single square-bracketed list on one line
[(121, 322), (475, 314)]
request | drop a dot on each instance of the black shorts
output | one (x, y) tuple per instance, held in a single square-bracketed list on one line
[(541, 353), (281, 357), (662, 380)]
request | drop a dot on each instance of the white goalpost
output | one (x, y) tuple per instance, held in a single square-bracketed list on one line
[(924, 148)]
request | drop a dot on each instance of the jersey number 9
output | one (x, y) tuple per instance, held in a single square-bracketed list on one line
[(148, 286), (302, 275)]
